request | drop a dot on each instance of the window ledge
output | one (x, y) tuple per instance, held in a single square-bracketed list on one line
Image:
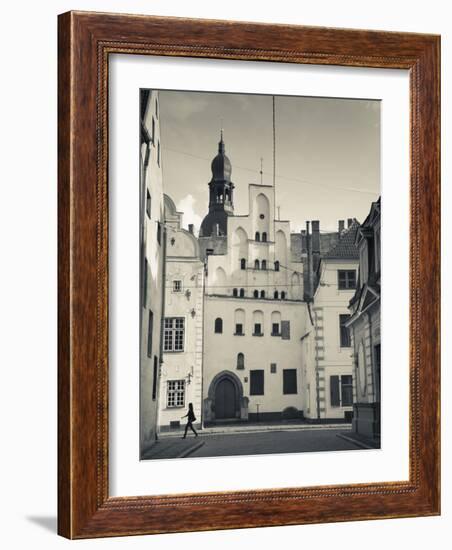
[(276, 334), (258, 333), (239, 334)]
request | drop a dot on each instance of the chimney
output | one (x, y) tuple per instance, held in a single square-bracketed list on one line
[(190, 228), (349, 222), (304, 244), (315, 224), (341, 226), (307, 274)]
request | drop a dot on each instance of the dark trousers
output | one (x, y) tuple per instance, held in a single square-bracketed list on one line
[(190, 425)]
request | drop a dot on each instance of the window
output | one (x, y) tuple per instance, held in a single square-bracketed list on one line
[(234, 292), (153, 130), (243, 263), (150, 330), (145, 281), (173, 339), (155, 376), (175, 393), (285, 330), (240, 361), (177, 286), (218, 325), (256, 382), (156, 109), (264, 237), (276, 265), (346, 279), (276, 323), (256, 294), (257, 236), (275, 295), (239, 329), (242, 293), (283, 295), (341, 391), (273, 368), (262, 293), (346, 390), (257, 329), (264, 264), (209, 251), (158, 152), (275, 329), (148, 203), (159, 233), (256, 264), (344, 332), (289, 381)]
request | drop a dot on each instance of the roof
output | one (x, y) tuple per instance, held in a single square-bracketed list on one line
[(345, 248)]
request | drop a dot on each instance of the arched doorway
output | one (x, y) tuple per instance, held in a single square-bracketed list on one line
[(225, 399)]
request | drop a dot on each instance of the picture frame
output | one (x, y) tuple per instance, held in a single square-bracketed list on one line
[(86, 40)]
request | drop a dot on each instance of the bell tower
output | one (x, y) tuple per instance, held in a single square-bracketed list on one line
[(221, 195)]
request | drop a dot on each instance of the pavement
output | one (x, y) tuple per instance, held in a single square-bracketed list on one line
[(246, 442)]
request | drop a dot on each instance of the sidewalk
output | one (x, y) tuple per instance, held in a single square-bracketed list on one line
[(174, 447), (258, 428)]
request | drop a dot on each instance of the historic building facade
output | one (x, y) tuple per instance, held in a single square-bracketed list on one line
[(152, 264), (329, 376), (181, 373), (364, 325)]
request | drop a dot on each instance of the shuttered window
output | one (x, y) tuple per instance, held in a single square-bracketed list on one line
[(256, 382), (334, 391), (285, 330), (289, 381), (347, 390)]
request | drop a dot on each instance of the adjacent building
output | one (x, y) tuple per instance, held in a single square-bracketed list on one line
[(152, 254), (364, 325), (181, 373)]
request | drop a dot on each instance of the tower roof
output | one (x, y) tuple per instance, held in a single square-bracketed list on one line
[(221, 165)]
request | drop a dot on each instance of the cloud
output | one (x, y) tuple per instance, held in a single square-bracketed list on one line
[(187, 206)]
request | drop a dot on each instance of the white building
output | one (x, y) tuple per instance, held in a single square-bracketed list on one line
[(254, 314), (152, 253), (181, 374), (329, 382)]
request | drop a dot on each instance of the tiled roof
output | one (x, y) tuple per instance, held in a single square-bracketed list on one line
[(345, 248)]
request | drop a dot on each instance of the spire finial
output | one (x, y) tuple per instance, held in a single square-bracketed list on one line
[(221, 147)]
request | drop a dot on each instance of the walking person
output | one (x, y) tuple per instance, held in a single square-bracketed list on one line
[(190, 419)]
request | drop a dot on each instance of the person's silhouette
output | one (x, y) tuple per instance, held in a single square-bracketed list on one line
[(190, 419)]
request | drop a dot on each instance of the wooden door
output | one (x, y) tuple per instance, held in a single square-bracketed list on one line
[(225, 399)]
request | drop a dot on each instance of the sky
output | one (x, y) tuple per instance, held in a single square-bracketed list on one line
[(327, 153)]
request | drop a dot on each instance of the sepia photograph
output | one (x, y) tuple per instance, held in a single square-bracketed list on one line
[(260, 265)]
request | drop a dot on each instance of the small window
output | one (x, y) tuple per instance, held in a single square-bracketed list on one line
[(256, 294), (242, 293), (156, 108), (264, 237), (257, 329), (158, 152), (155, 376), (261, 216), (289, 381), (275, 295), (256, 264), (234, 292), (262, 293), (175, 393), (243, 263), (209, 251), (273, 368), (344, 332), (150, 331), (148, 203), (277, 265), (218, 325), (275, 329), (159, 232), (257, 236), (264, 264), (346, 279), (239, 329), (283, 295), (177, 286), (256, 382), (346, 390), (153, 130), (240, 361)]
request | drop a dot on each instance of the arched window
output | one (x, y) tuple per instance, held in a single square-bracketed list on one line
[(276, 295), (258, 323), (264, 237), (234, 292), (262, 293), (276, 323), (277, 265), (257, 236), (264, 264), (283, 295), (243, 263), (218, 325), (256, 264), (239, 319), (242, 293), (256, 294), (240, 361)]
